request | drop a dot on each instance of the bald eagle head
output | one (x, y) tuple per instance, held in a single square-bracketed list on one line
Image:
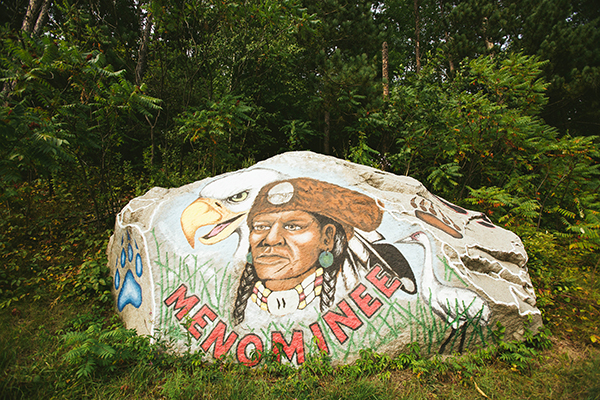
[(224, 203)]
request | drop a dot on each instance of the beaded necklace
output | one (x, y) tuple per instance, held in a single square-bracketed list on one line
[(286, 301)]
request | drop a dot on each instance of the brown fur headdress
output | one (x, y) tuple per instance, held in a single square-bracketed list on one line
[(348, 207)]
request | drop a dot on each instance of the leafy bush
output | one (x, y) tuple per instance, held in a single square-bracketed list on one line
[(98, 350), (478, 139)]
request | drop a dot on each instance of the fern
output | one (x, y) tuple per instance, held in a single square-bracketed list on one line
[(97, 348), (446, 175), (583, 226), (565, 213)]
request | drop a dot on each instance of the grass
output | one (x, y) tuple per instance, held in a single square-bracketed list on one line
[(33, 365), (61, 339)]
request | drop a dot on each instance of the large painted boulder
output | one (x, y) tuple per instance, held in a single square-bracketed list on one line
[(316, 254)]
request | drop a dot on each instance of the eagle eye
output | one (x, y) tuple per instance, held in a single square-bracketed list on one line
[(236, 198)]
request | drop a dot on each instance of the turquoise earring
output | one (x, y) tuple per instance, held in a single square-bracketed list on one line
[(249, 258), (326, 259)]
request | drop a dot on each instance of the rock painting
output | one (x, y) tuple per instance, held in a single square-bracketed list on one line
[(129, 290), (305, 253), (130, 278)]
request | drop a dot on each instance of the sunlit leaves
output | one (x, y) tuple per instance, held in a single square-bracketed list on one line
[(480, 131)]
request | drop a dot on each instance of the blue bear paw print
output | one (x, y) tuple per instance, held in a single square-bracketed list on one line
[(130, 290)]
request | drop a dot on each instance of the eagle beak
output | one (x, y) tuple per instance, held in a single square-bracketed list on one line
[(203, 212)]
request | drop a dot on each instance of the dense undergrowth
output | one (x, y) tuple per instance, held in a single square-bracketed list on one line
[(62, 339)]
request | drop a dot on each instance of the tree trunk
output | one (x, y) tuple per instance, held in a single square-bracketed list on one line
[(384, 70), (447, 37), (41, 19), (488, 45), (35, 17), (31, 15), (450, 62), (89, 188), (326, 131), (140, 68), (417, 37), (152, 126)]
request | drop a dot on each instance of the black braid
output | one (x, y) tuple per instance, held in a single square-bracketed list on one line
[(330, 274), (328, 290), (247, 281)]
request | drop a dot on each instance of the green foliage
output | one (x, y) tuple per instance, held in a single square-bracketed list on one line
[(473, 130), (361, 153), (369, 364), (240, 81), (65, 112), (339, 57), (566, 293), (477, 138), (520, 355), (565, 33), (49, 251), (317, 364), (299, 134), (98, 350), (504, 206), (216, 55), (218, 132), (271, 363)]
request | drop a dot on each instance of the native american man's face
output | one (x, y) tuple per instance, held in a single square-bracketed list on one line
[(286, 245)]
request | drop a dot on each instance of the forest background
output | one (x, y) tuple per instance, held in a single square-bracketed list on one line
[(492, 104)]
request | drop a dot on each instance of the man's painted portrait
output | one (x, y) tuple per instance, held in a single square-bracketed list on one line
[(300, 230)]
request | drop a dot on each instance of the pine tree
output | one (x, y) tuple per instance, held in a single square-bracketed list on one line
[(341, 54), (567, 33)]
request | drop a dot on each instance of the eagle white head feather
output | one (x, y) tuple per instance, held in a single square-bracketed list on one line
[(225, 203)]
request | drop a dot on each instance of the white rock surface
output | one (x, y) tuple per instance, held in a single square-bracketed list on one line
[(456, 274)]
